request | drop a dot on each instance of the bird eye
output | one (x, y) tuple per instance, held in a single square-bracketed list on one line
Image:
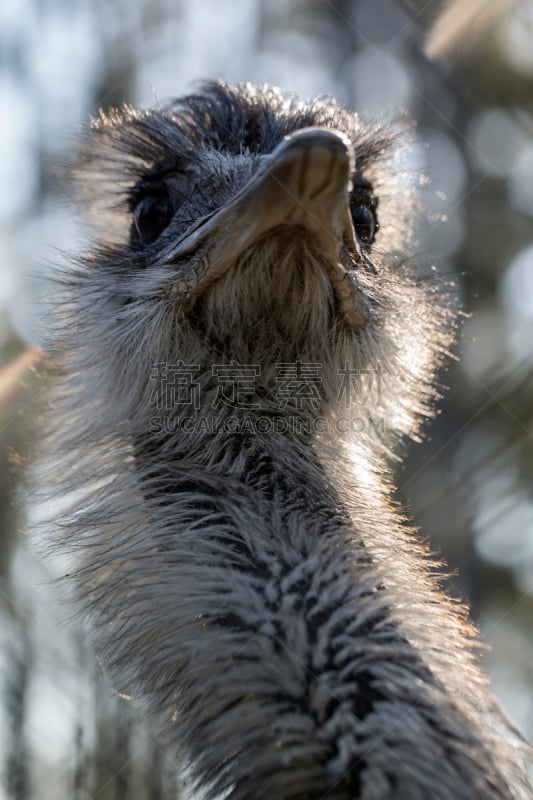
[(152, 214), (365, 223)]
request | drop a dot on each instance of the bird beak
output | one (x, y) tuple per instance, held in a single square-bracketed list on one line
[(303, 185)]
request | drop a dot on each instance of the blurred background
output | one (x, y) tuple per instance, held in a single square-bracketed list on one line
[(464, 73)]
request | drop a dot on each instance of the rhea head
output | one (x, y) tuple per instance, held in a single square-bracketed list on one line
[(239, 225)]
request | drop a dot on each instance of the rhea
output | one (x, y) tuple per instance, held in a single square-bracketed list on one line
[(240, 352)]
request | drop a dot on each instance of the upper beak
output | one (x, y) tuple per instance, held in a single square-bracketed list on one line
[(304, 184)]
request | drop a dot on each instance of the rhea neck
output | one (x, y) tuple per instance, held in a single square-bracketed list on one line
[(257, 380), (253, 433)]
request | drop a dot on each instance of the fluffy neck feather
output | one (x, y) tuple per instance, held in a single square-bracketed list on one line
[(284, 628)]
